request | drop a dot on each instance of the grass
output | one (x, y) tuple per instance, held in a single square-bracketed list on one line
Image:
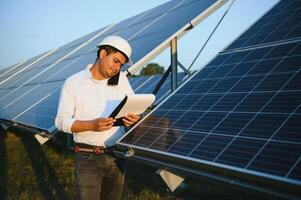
[(31, 171)]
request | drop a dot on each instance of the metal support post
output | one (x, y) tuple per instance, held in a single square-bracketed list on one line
[(174, 64)]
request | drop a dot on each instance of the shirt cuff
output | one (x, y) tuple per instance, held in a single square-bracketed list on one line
[(67, 125)]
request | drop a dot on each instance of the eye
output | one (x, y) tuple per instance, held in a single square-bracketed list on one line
[(118, 62)]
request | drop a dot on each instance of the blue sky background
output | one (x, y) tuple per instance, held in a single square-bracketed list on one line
[(31, 27)]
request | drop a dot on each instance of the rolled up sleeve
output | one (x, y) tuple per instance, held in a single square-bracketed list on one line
[(66, 108)]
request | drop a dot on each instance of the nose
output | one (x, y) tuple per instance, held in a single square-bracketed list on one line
[(118, 66)]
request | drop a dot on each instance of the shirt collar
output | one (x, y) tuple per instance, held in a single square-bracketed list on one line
[(88, 76)]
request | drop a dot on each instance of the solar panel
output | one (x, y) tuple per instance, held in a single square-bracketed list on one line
[(21, 87), (282, 23), (236, 120), (26, 95), (35, 115)]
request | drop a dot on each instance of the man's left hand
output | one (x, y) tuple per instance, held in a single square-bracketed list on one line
[(130, 119)]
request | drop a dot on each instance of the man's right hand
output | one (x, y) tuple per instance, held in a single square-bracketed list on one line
[(103, 124), (99, 124)]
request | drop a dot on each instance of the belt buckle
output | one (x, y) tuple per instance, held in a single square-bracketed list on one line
[(98, 150)]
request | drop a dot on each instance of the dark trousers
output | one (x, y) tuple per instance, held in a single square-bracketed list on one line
[(99, 176)]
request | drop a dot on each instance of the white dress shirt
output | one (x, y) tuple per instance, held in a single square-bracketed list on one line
[(84, 98)]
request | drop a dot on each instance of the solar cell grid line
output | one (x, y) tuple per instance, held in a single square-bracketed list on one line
[(4, 73), (147, 88), (289, 131), (293, 167), (253, 116), (230, 113), (136, 81), (143, 83), (267, 142)]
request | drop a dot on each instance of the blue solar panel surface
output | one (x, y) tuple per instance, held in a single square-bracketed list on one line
[(242, 112), (217, 112), (282, 23)]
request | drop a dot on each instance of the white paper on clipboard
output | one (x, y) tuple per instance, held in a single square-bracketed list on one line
[(136, 104)]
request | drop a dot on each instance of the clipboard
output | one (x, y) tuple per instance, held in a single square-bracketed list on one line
[(136, 103)]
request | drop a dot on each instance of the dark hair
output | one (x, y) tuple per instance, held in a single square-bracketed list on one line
[(109, 49)]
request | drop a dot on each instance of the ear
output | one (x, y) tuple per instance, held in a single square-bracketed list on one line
[(102, 53)]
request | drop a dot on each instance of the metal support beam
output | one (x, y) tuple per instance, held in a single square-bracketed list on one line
[(174, 64), (184, 69)]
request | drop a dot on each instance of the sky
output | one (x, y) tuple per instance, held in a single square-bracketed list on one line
[(31, 27)]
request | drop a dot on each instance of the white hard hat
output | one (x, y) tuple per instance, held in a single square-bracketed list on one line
[(118, 43)]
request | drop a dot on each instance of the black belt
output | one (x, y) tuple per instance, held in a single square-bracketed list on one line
[(81, 147)]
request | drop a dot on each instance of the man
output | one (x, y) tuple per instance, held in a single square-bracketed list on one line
[(84, 98)]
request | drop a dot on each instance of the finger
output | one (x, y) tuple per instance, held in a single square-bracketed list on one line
[(104, 124), (133, 115), (136, 117), (132, 119), (105, 127), (105, 119), (127, 122)]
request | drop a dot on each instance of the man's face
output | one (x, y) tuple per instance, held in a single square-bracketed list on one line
[(110, 64)]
